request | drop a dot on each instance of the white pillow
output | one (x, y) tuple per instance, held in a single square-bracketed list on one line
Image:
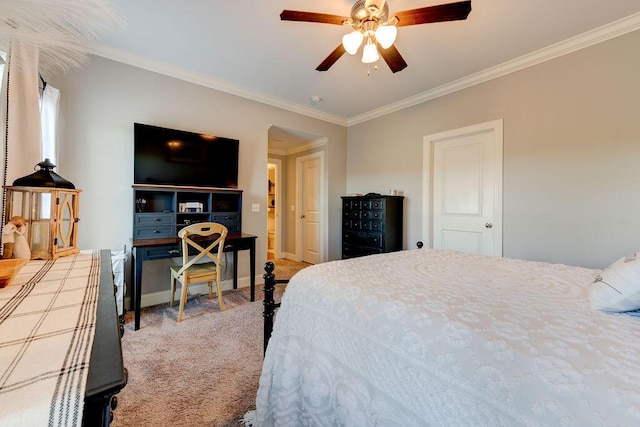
[(617, 288)]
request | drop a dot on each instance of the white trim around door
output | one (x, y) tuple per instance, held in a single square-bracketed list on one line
[(324, 210), (279, 200), (492, 133)]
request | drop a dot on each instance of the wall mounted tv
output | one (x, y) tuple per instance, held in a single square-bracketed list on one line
[(173, 157)]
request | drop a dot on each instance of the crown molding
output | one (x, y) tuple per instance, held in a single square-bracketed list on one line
[(598, 35), (320, 142), (276, 152), (316, 143), (148, 64)]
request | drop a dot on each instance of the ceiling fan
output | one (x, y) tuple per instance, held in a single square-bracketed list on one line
[(372, 25)]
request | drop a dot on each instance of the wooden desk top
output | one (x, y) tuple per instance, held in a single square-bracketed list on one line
[(141, 243)]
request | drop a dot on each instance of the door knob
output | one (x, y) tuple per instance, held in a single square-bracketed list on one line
[(488, 225), (301, 216)]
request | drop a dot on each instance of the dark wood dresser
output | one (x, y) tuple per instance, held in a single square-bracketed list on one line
[(371, 224)]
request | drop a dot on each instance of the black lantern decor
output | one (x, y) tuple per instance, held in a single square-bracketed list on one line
[(44, 177), (49, 204)]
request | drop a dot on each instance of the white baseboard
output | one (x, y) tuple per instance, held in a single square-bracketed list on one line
[(163, 297)]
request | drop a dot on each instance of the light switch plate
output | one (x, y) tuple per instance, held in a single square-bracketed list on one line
[(255, 207)]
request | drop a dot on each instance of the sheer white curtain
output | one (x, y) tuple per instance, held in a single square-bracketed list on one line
[(20, 112), (3, 115), (48, 120)]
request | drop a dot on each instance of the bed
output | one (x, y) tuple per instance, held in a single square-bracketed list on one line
[(434, 337)]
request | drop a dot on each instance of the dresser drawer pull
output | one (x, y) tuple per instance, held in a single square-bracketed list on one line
[(173, 252), (157, 219)]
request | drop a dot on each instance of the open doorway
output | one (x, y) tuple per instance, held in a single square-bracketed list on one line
[(286, 226), (274, 208)]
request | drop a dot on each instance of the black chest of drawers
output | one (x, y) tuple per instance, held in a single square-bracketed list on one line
[(371, 225)]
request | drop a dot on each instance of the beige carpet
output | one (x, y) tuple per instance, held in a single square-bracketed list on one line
[(203, 371)]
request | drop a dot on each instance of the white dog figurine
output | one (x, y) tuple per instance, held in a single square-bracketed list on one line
[(15, 245)]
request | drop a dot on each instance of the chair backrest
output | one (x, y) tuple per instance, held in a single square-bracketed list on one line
[(197, 235)]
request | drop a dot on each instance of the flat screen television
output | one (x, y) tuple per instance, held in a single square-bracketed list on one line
[(178, 158)]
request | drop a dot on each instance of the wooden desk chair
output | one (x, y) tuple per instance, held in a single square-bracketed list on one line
[(193, 272)]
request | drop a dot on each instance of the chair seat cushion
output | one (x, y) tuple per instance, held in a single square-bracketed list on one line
[(198, 272)]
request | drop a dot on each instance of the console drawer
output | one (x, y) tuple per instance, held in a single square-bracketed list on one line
[(154, 219), (229, 220), (233, 227), (376, 204), (373, 240), (373, 214), (228, 217), (161, 252), (372, 225), (351, 251), (154, 232)]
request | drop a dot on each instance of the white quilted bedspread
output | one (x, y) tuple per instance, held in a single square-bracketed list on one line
[(426, 337)]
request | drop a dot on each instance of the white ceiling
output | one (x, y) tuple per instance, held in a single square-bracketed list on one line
[(243, 47)]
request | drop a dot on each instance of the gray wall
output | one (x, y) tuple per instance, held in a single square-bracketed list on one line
[(571, 153), (99, 104), (571, 148)]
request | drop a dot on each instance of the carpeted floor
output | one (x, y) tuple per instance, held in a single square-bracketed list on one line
[(203, 371)]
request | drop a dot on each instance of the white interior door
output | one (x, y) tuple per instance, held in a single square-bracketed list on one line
[(466, 189), (310, 193)]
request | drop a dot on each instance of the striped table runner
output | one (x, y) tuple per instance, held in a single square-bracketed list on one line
[(47, 322)]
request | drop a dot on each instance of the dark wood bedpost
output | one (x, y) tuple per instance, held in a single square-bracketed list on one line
[(268, 303)]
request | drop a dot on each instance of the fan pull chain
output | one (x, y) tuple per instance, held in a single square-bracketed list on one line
[(375, 68)]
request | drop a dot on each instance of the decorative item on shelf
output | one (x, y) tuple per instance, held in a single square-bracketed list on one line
[(49, 205), (14, 244), (191, 207)]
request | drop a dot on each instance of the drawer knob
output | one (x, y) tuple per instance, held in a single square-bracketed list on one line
[(174, 252)]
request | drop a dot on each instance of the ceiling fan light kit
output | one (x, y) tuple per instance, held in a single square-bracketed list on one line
[(386, 35), (371, 23), (369, 52), (352, 41)]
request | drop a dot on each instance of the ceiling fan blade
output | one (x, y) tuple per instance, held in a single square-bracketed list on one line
[(323, 18), (392, 57), (332, 58), (440, 13)]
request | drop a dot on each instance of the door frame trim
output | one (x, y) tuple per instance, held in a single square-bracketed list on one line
[(279, 199), (428, 141), (323, 205)]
